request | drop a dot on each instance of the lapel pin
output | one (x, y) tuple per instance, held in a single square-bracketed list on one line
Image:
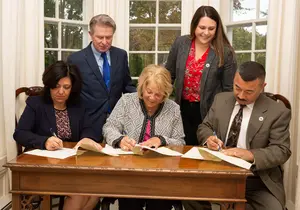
[(207, 65), (260, 119)]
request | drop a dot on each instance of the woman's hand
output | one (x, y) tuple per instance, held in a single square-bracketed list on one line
[(90, 143), (152, 142), (53, 143), (127, 143)]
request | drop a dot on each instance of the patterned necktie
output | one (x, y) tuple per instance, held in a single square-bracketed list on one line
[(235, 128), (106, 70)]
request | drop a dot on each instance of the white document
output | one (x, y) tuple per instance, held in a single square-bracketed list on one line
[(193, 154), (106, 150), (161, 150), (119, 151), (60, 153), (233, 160)]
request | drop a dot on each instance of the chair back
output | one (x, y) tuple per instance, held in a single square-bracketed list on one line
[(279, 98), (29, 91)]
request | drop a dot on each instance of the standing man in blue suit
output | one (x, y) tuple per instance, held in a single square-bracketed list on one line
[(104, 69)]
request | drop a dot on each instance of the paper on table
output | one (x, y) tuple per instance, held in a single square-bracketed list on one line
[(60, 153), (106, 150), (193, 154), (138, 150), (118, 150), (233, 160)]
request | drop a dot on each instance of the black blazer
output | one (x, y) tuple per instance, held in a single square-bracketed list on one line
[(214, 79), (38, 122), (95, 95)]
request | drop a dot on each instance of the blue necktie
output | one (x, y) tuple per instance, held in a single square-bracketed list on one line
[(106, 70)]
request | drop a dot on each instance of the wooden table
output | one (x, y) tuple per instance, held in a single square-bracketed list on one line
[(129, 176)]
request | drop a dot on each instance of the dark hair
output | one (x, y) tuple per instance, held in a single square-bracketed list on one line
[(220, 38), (251, 70), (57, 71)]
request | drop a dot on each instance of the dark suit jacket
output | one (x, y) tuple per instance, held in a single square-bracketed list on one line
[(95, 95), (38, 122), (214, 79), (267, 136)]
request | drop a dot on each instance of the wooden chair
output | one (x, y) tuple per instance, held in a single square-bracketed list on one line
[(32, 201), (29, 91), (279, 98)]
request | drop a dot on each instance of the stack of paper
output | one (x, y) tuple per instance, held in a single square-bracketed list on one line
[(138, 150), (60, 153), (201, 154)]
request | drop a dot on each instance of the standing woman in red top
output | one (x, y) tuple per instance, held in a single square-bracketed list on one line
[(202, 64)]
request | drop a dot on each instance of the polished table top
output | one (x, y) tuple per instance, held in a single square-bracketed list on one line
[(149, 162)]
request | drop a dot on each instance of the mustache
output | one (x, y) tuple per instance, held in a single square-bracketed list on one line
[(241, 99)]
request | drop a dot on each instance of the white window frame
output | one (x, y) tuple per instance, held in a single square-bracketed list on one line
[(227, 6), (87, 7), (155, 25)]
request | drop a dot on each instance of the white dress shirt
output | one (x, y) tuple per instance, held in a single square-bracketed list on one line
[(247, 111)]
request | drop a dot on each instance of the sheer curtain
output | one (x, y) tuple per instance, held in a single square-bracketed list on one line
[(282, 77), (21, 64), (119, 11)]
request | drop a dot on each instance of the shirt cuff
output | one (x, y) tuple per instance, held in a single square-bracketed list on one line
[(163, 141)]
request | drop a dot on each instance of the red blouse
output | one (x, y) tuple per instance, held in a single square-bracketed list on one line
[(193, 74)]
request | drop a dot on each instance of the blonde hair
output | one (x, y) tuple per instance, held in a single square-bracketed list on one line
[(157, 75)]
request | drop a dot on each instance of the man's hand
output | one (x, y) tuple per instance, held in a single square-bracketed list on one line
[(240, 153), (214, 143), (53, 143), (127, 143)]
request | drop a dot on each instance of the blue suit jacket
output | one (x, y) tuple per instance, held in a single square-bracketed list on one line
[(95, 95), (38, 122)]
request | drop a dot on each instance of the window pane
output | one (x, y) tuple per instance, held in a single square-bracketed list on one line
[(50, 57), (142, 39), (243, 10), (166, 38), (260, 58), (162, 59), (170, 12), (243, 57), (138, 61), (142, 11), (70, 9), (49, 8), (264, 4), (51, 34), (72, 37), (241, 38), (65, 55), (261, 37)]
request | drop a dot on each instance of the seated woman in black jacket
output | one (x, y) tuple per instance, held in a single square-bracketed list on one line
[(58, 116)]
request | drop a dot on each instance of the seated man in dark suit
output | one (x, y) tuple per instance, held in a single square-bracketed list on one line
[(255, 128), (105, 72)]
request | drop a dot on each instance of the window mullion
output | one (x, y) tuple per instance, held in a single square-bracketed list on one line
[(253, 41), (156, 31)]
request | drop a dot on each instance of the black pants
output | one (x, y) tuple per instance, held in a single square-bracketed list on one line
[(138, 204), (191, 118)]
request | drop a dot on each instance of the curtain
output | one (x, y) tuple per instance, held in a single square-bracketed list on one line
[(117, 10), (21, 64), (282, 65)]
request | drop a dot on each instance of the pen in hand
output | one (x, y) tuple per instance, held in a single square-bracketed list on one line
[(54, 134), (219, 146)]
